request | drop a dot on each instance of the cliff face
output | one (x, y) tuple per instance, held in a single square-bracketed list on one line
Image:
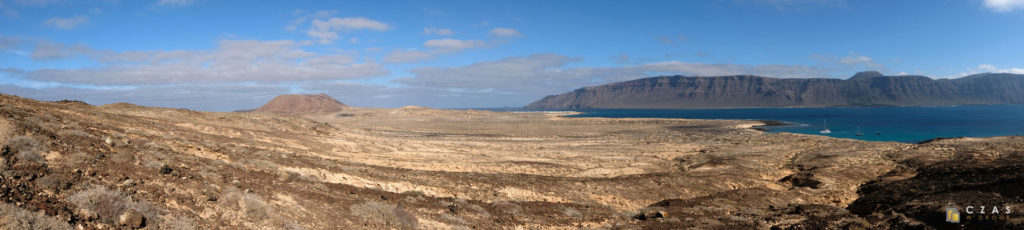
[(863, 89)]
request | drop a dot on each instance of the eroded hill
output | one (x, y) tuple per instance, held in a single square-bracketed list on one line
[(302, 104)]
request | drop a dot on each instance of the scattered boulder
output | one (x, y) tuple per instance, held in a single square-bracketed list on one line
[(166, 169), (132, 219)]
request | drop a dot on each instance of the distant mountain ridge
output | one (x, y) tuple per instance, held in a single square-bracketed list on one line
[(869, 88)]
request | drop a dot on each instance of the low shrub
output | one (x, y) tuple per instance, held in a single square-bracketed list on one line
[(507, 207), (81, 158), (54, 182), (14, 217), (25, 148), (253, 206), (73, 133), (123, 157), (384, 213), (108, 205), (249, 204)]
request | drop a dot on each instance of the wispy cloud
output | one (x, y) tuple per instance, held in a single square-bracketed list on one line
[(403, 56), (994, 69), (985, 68), (327, 30), (7, 11), (796, 4), (671, 39), (855, 58), (46, 50), (542, 74), (1004, 5), (304, 16), (505, 32), (435, 47), (209, 97), (453, 44), (8, 42), (852, 61), (37, 2), (177, 3), (621, 59), (67, 23), (438, 31)]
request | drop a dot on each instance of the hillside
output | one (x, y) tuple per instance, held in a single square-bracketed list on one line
[(863, 89), (302, 104)]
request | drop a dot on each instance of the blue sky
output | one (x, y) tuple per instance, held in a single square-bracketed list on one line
[(230, 55)]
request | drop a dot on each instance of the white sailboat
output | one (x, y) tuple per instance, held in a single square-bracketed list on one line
[(824, 124)]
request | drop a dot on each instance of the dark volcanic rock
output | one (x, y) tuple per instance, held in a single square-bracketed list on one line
[(957, 183), (863, 89)]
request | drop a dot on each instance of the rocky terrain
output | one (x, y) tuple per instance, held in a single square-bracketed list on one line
[(68, 164), (863, 89)]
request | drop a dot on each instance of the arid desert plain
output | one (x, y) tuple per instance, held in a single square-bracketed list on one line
[(68, 164)]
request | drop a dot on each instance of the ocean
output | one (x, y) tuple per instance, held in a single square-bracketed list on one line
[(902, 124)]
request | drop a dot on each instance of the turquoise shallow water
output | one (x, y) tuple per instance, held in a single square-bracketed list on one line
[(903, 124)]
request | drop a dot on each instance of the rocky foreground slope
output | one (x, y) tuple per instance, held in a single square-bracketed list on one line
[(863, 89), (72, 165)]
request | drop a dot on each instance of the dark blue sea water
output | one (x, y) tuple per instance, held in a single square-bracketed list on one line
[(903, 124)]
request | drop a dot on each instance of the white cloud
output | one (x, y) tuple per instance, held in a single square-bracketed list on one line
[(438, 31), (1004, 5), (327, 30), (231, 61), (175, 2), (994, 69), (67, 23), (453, 44), (505, 32), (985, 68)]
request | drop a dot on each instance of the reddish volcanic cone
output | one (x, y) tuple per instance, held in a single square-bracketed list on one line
[(302, 104)]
